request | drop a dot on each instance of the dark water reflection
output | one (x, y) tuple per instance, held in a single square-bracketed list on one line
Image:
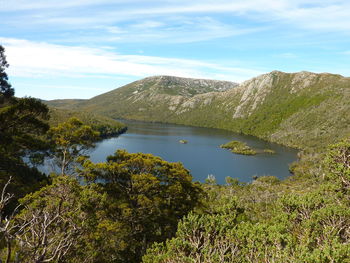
[(202, 154)]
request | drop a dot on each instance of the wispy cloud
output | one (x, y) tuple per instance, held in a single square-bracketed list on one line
[(16, 5), (39, 59), (170, 22), (147, 25), (331, 17), (311, 14), (189, 30), (287, 55)]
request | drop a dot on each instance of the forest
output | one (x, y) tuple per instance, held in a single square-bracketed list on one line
[(136, 207)]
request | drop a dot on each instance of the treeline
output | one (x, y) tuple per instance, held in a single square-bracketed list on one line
[(107, 127)]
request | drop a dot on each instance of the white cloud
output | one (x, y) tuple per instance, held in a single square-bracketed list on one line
[(331, 17), (43, 60), (148, 24), (315, 14), (178, 30), (113, 29), (180, 21), (288, 55), (15, 5)]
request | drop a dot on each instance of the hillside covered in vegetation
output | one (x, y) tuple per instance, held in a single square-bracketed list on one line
[(302, 110)]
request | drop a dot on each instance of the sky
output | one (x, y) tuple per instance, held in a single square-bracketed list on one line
[(82, 48)]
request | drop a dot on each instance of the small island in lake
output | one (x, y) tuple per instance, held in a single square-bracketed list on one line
[(183, 141), (270, 151), (239, 148)]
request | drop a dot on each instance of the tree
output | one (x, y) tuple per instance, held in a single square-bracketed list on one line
[(20, 119), (51, 222), (54, 224), (211, 180), (6, 226), (202, 238), (338, 164), (71, 141), (22, 124), (147, 196), (5, 87), (137, 199)]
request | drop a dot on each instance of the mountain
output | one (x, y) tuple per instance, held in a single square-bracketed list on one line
[(296, 109)]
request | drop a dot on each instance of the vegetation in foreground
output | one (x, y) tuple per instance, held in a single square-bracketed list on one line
[(137, 207), (302, 219)]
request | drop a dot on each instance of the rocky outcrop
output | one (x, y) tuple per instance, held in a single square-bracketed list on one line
[(253, 92), (186, 87)]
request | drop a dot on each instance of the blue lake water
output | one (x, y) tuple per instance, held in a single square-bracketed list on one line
[(202, 154)]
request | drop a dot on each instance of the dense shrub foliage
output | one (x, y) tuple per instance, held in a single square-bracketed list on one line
[(270, 221)]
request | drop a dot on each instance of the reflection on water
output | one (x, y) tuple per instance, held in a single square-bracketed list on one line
[(202, 154)]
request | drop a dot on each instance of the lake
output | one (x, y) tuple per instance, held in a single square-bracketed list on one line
[(202, 154)]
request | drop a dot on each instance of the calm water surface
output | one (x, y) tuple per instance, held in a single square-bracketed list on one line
[(202, 154)]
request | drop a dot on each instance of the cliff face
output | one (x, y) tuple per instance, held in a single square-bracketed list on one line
[(297, 109)]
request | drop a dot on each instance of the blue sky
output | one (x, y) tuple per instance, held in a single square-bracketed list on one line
[(82, 48)]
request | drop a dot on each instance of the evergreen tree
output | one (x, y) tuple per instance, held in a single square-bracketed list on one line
[(5, 87), (72, 140), (146, 197), (22, 124)]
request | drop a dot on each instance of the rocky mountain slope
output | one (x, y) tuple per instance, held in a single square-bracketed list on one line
[(296, 109)]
